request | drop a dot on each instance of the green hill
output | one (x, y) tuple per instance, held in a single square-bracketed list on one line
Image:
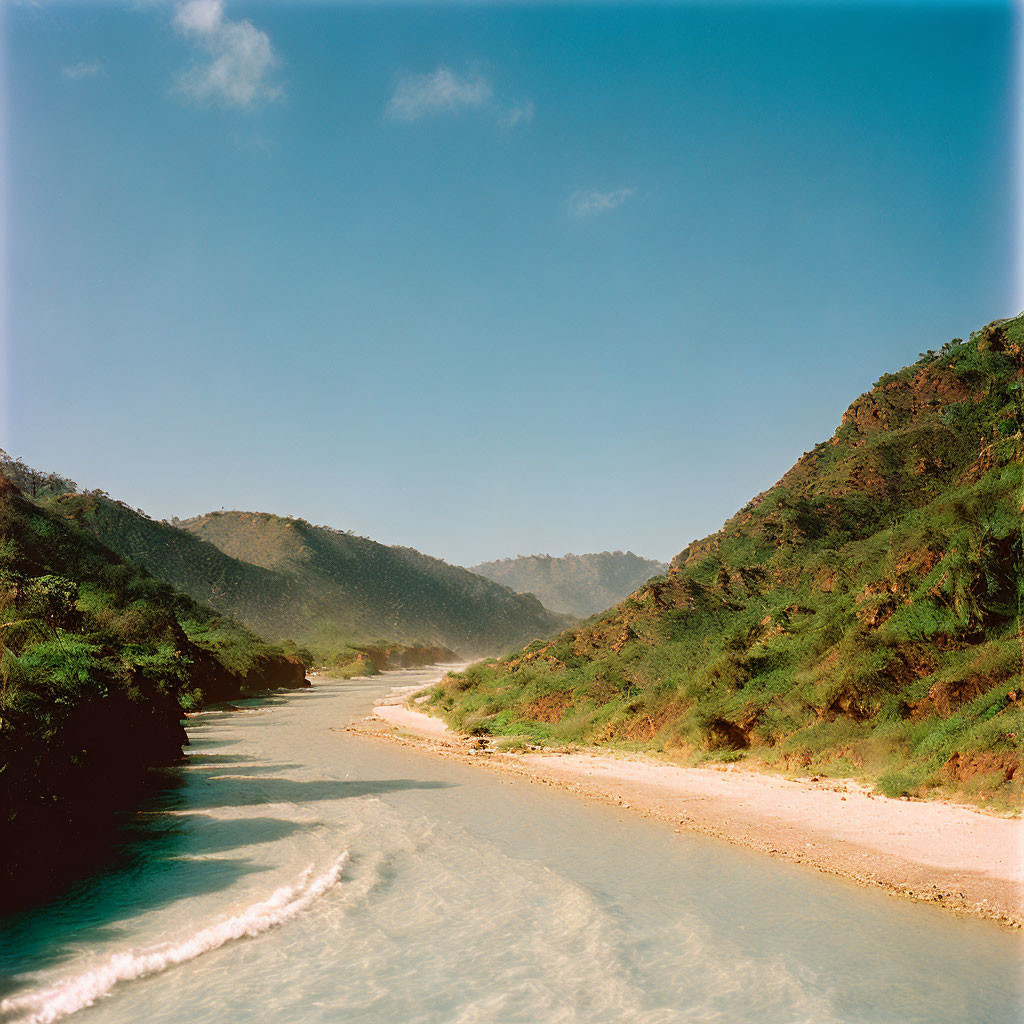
[(341, 585), (97, 662), (861, 617), (286, 579), (252, 594), (577, 584), (326, 589)]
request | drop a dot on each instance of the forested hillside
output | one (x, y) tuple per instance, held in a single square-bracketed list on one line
[(267, 601), (861, 617), (324, 588), (577, 584), (349, 586)]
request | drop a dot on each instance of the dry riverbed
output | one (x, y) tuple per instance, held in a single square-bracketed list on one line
[(962, 859)]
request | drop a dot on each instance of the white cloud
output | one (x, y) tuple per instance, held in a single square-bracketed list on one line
[(84, 69), (441, 92), (238, 57), (517, 114), (584, 202), (201, 16)]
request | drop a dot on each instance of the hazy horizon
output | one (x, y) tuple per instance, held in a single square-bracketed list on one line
[(487, 280)]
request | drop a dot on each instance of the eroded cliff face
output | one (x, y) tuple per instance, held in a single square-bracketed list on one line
[(863, 612)]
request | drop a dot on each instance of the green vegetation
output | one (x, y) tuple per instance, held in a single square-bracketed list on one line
[(576, 584), (860, 618), (247, 592), (97, 662)]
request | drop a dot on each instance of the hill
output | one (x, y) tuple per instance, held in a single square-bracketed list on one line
[(577, 584), (324, 588), (248, 592), (351, 586), (97, 662), (861, 617)]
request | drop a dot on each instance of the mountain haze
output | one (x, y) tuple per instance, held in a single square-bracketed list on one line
[(288, 579), (578, 584)]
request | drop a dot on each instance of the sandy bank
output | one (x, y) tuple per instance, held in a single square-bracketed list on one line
[(393, 711), (947, 854)]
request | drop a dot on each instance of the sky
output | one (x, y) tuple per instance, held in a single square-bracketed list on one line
[(487, 280)]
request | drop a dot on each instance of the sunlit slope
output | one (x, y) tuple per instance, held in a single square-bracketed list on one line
[(862, 616), (290, 580), (578, 584)]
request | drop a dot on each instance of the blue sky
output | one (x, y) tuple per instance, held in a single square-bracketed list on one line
[(487, 280)]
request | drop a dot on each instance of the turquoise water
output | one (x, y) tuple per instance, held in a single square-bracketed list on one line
[(293, 872)]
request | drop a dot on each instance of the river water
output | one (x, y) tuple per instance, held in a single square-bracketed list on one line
[(291, 872)]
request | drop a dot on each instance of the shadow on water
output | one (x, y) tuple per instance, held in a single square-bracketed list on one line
[(246, 769), (236, 791), (221, 760), (214, 742), (231, 764), (169, 850)]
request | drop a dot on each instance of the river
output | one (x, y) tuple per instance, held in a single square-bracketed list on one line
[(290, 872)]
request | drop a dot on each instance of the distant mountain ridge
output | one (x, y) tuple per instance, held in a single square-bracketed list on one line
[(581, 585)]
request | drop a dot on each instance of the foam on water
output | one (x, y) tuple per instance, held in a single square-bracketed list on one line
[(531, 945), (76, 993)]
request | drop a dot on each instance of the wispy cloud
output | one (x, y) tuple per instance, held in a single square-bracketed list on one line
[(584, 202), (84, 69), (446, 92), (440, 92), (516, 115), (238, 59)]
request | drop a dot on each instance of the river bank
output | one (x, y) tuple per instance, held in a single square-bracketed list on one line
[(331, 877), (964, 860)]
